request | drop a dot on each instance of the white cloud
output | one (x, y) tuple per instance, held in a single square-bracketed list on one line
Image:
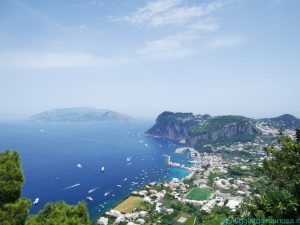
[(177, 45), (149, 11), (172, 46), (227, 41), (57, 60), (196, 20), (170, 12), (204, 25)]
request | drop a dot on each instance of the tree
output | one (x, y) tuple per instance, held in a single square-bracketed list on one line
[(280, 197), (298, 134), (13, 209), (11, 177), (14, 213), (62, 214)]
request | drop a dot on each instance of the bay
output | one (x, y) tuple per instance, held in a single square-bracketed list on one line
[(63, 161)]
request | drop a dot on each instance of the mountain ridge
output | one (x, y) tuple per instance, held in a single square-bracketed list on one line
[(80, 114), (201, 129)]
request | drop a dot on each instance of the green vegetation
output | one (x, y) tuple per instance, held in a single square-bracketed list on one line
[(217, 123), (280, 195), (199, 194), (217, 215), (225, 141), (60, 213), (213, 176), (14, 209)]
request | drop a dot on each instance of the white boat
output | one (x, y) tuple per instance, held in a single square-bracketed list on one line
[(89, 198), (79, 166), (128, 159), (92, 190), (36, 201), (102, 169), (125, 179), (118, 185), (106, 193)]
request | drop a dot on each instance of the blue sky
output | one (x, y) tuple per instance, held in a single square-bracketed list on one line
[(144, 57)]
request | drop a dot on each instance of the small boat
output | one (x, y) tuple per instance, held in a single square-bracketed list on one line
[(102, 169), (128, 159), (36, 201), (106, 193), (125, 179), (118, 185), (92, 190), (79, 166), (89, 198)]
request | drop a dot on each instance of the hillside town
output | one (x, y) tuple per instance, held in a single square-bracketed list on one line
[(221, 178)]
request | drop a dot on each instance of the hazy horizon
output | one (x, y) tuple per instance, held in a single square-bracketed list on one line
[(147, 117), (141, 58)]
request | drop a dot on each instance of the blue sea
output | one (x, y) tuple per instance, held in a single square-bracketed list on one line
[(51, 152)]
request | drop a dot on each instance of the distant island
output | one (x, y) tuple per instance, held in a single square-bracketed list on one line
[(81, 114), (198, 130)]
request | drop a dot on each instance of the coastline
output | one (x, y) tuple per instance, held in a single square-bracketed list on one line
[(183, 173)]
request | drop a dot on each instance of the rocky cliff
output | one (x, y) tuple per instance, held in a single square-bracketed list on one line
[(197, 129)]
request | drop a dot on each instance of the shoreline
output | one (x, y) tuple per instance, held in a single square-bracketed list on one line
[(168, 180)]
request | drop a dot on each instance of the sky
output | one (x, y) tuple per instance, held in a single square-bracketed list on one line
[(142, 57)]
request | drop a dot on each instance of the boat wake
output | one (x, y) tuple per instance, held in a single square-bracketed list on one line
[(75, 185)]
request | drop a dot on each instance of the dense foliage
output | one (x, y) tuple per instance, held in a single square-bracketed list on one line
[(60, 213), (14, 209), (218, 122), (11, 177), (280, 197)]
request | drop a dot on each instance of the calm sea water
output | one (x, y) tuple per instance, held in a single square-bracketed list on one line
[(51, 152)]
